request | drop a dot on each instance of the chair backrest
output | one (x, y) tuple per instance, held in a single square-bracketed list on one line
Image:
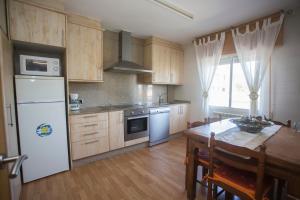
[(213, 119), (287, 124), (201, 123), (195, 124), (238, 157)]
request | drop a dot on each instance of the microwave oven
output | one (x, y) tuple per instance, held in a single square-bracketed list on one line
[(40, 66)]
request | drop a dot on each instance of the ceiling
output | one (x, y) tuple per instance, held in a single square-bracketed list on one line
[(144, 18)]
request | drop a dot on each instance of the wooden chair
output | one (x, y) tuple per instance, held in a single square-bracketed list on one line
[(213, 119), (202, 153), (281, 185), (202, 158), (241, 172), (206, 121), (287, 124)]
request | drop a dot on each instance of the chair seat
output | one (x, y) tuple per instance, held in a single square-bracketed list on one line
[(241, 180)]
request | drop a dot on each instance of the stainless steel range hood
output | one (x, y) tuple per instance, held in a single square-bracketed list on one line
[(125, 64)]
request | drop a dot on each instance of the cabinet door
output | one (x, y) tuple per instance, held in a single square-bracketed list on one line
[(160, 64), (32, 24), (89, 147), (184, 114), (84, 53), (176, 66), (91, 42), (116, 130), (174, 119)]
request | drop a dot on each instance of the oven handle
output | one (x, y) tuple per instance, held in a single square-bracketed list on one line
[(138, 117)]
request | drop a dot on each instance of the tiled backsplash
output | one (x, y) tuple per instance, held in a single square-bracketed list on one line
[(116, 89)]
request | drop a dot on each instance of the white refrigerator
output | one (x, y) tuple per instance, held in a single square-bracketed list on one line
[(42, 125)]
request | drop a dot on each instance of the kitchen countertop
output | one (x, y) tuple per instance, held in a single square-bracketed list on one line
[(101, 109)]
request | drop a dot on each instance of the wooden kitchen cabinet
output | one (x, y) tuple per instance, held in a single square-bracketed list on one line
[(29, 23), (160, 64), (116, 130), (178, 117), (89, 135), (84, 53), (176, 66), (183, 116), (166, 61), (174, 118)]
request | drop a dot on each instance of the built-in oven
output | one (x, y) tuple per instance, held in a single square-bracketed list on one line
[(136, 126)]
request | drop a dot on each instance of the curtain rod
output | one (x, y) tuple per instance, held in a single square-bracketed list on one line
[(288, 12)]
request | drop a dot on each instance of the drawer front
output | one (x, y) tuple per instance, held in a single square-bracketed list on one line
[(89, 147), (88, 127), (88, 118), (90, 134)]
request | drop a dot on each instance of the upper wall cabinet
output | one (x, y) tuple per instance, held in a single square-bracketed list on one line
[(166, 61), (84, 50), (29, 23), (176, 66)]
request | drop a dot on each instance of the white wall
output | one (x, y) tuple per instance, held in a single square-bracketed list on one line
[(285, 76), (286, 72), (190, 90)]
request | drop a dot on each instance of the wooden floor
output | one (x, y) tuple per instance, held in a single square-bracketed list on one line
[(143, 174)]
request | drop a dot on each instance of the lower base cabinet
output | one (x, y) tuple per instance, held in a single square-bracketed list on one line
[(89, 147), (89, 135), (96, 133), (178, 117), (116, 130)]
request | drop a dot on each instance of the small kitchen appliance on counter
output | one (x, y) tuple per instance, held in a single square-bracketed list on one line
[(75, 102)]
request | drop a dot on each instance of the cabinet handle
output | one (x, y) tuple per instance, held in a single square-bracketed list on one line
[(10, 116), (90, 116), (63, 38), (90, 125), (121, 118), (91, 142), (87, 134)]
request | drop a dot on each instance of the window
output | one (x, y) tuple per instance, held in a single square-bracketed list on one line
[(229, 87)]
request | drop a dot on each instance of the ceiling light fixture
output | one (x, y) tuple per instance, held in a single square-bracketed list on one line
[(173, 8)]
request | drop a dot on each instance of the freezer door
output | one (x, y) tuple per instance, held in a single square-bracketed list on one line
[(43, 137), (31, 89)]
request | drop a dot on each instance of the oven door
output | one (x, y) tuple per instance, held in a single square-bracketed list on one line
[(136, 127)]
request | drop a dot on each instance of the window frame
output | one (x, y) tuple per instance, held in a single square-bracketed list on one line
[(229, 59)]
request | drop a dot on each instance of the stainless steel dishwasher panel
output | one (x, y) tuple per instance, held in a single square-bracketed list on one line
[(159, 125)]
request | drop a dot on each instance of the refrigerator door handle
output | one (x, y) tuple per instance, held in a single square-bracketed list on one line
[(34, 102), (10, 116)]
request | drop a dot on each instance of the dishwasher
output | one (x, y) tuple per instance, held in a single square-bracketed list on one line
[(159, 125)]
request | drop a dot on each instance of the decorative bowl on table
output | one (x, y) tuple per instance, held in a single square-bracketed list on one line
[(250, 125)]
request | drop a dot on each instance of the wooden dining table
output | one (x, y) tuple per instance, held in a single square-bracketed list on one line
[(282, 155)]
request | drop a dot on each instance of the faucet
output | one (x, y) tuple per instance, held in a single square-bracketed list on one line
[(160, 98)]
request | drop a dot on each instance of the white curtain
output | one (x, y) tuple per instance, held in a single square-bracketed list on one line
[(208, 55), (254, 50)]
